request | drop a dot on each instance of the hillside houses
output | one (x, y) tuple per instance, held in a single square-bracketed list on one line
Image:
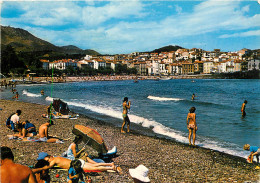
[(180, 62)]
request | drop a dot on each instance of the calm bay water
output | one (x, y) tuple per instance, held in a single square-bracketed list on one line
[(163, 106)]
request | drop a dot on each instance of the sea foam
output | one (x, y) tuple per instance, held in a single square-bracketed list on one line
[(163, 98), (25, 92), (157, 127)]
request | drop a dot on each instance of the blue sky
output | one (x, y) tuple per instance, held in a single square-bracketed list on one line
[(119, 26)]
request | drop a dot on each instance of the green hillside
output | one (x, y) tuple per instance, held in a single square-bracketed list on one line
[(23, 41)]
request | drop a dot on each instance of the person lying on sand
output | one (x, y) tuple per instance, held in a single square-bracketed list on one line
[(64, 163), (12, 172), (43, 133)]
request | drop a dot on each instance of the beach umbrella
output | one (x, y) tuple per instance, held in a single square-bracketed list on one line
[(91, 138)]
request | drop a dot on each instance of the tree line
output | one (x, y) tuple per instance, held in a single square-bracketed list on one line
[(21, 63)]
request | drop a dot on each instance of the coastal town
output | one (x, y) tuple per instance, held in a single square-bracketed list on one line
[(173, 63)]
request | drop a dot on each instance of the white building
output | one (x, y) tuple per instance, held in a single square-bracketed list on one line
[(207, 67), (254, 64)]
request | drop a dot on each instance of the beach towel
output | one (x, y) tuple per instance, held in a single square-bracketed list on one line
[(62, 116)]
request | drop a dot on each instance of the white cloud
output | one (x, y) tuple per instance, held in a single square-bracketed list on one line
[(242, 34), (178, 9), (109, 28), (94, 16)]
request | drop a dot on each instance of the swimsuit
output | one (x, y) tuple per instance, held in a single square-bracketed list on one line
[(70, 154)]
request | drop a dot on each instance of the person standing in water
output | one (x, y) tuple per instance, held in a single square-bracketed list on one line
[(243, 108), (193, 96), (126, 106), (42, 92), (191, 124)]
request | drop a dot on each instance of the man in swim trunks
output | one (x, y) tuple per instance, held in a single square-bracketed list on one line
[(126, 120), (191, 124), (64, 163), (43, 133), (12, 172)]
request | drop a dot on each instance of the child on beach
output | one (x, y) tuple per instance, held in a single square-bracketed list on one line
[(254, 151), (75, 171)]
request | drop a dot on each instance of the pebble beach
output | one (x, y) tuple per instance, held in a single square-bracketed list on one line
[(167, 160)]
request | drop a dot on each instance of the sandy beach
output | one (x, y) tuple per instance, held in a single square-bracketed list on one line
[(167, 160)]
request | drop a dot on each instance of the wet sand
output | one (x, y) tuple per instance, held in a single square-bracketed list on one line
[(167, 160)]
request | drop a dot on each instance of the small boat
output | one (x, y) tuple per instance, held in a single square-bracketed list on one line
[(193, 81)]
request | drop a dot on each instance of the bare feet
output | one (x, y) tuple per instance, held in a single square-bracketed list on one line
[(123, 131)]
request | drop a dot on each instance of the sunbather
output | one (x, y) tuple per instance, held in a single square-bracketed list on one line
[(64, 163)]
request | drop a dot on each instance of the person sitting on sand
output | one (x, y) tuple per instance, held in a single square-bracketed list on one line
[(191, 124), (64, 163), (254, 151), (75, 172), (126, 120), (14, 120), (139, 174), (8, 121), (243, 108), (43, 133), (29, 129), (42, 176), (73, 150), (12, 172)]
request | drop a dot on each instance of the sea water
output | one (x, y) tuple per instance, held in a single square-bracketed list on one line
[(162, 106)]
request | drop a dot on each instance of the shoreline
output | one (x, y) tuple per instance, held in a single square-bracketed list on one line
[(167, 160)]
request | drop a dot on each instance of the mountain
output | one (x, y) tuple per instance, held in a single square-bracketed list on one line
[(167, 49), (23, 41)]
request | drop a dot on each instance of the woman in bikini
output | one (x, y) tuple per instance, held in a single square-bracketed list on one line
[(191, 124), (126, 106)]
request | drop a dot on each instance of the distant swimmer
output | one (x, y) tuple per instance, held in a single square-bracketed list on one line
[(126, 106), (42, 92), (243, 108), (191, 124), (16, 96), (193, 96)]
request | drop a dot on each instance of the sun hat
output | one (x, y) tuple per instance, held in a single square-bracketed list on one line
[(42, 155), (140, 173)]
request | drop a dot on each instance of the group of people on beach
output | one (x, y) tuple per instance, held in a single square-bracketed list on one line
[(26, 129), (73, 160)]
